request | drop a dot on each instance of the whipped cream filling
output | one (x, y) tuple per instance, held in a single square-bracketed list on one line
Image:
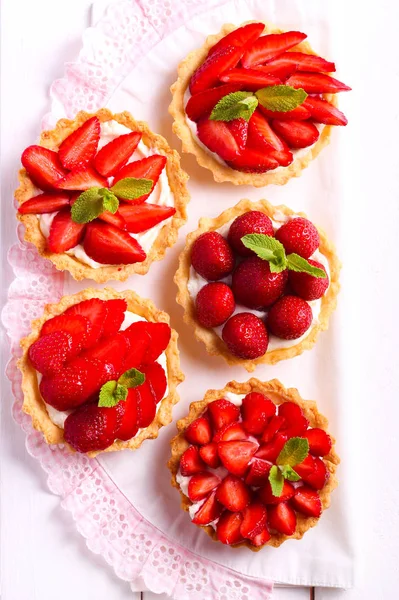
[(161, 195), (196, 283)]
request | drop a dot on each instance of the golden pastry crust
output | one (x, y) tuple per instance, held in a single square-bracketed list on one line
[(213, 343), (33, 402), (278, 394), (168, 234), (222, 172)]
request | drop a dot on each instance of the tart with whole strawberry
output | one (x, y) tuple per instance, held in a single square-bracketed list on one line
[(254, 464), (102, 196), (255, 104), (100, 371), (257, 283)]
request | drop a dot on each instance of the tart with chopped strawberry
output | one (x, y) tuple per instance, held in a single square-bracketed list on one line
[(255, 104), (254, 464), (100, 371), (102, 196), (257, 283)]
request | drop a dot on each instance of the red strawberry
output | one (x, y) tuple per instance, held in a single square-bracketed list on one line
[(217, 136), (306, 468), (254, 520), (298, 134), (201, 484), (252, 221), (295, 423), (234, 431), (300, 113), (242, 36), (236, 455), (262, 538), (287, 63), (228, 528), (82, 178), (270, 46), (324, 112), (253, 161), (289, 318), (282, 518), (316, 83), (114, 155), (207, 74), (115, 315), (250, 79), (49, 353), (95, 311), (80, 146), (245, 336), (64, 233), (138, 347), (258, 473), (91, 428), (233, 493), (159, 334), (255, 286), (111, 350), (44, 203), (209, 454), (307, 286), (191, 462), (274, 425), (262, 138), (222, 413), (155, 375), (209, 511), (271, 450), (256, 411), (300, 236), (199, 431), (267, 496), (141, 217), (77, 325), (202, 104), (107, 244), (129, 423), (239, 129), (319, 441), (319, 476), (307, 502), (43, 167), (115, 219), (214, 304), (150, 167), (146, 405), (211, 256)]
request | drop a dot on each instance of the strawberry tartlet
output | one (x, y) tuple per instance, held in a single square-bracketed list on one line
[(255, 104), (257, 283), (102, 196), (254, 464), (100, 371)]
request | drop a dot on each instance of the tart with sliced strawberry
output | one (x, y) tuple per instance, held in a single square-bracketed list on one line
[(255, 104), (100, 371), (254, 464), (257, 283), (102, 196)]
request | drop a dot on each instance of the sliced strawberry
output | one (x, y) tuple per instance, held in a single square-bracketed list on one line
[(256, 411), (138, 348), (209, 454), (274, 425), (129, 424), (146, 405), (233, 493), (115, 219), (234, 431), (114, 155), (242, 36), (109, 245), (253, 161), (298, 134), (316, 83), (223, 412), (80, 146), (64, 232), (43, 167), (81, 178), (324, 112), (262, 136), (319, 441), (305, 468), (201, 485), (49, 353), (191, 463), (254, 520), (267, 496), (239, 129), (150, 167), (217, 136), (228, 528), (300, 113), (270, 46), (202, 104), (95, 311), (236, 455), (282, 518), (159, 334), (289, 62), (209, 511), (271, 450), (262, 538), (91, 427), (307, 502), (318, 478), (111, 350), (250, 79), (258, 473), (44, 203), (141, 217), (115, 315), (77, 325), (207, 74), (199, 431), (156, 377)]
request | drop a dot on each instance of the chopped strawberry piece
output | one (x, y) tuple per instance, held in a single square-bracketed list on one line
[(234, 431), (191, 463), (324, 112), (81, 178), (267, 496), (316, 83), (300, 113), (209, 454), (258, 473), (209, 511), (305, 468), (242, 36), (141, 217), (201, 484), (207, 74), (129, 424), (77, 325), (295, 422), (250, 79), (274, 425), (228, 528), (282, 518), (239, 129), (262, 538), (254, 520), (223, 412), (307, 502), (80, 146), (202, 104), (115, 315), (236, 455), (156, 377), (159, 334), (289, 62), (150, 167), (49, 353), (256, 411), (64, 232), (199, 431), (44, 203), (146, 405), (114, 155), (111, 350), (43, 167), (270, 46), (233, 493), (107, 244), (115, 219), (319, 476), (95, 311), (138, 348), (217, 136), (271, 450), (91, 428), (298, 134), (319, 441)]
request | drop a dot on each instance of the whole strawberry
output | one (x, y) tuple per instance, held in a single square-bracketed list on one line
[(299, 236), (245, 336), (255, 286), (91, 427), (211, 256), (214, 304), (252, 221), (307, 286), (289, 317)]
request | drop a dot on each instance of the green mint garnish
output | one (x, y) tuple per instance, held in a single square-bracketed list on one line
[(294, 452), (289, 473), (276, 480), (132, 378), (281, 98), (113, 392), (237, 105), (301, 265), (131, 188)]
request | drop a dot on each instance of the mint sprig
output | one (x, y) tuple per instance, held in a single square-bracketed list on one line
[(131, 188), (113, 391), (276, 480), (293, 453), (281, 98), (237, 105)]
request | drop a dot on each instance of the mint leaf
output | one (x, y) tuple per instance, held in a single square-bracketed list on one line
[(294, 452), (237, 105), (267, 248), (110, 201), (281, 98), (87, 206), (106, 398), (276, 480), (132, 378), (131, 188), (301, 265), (289, 473)]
